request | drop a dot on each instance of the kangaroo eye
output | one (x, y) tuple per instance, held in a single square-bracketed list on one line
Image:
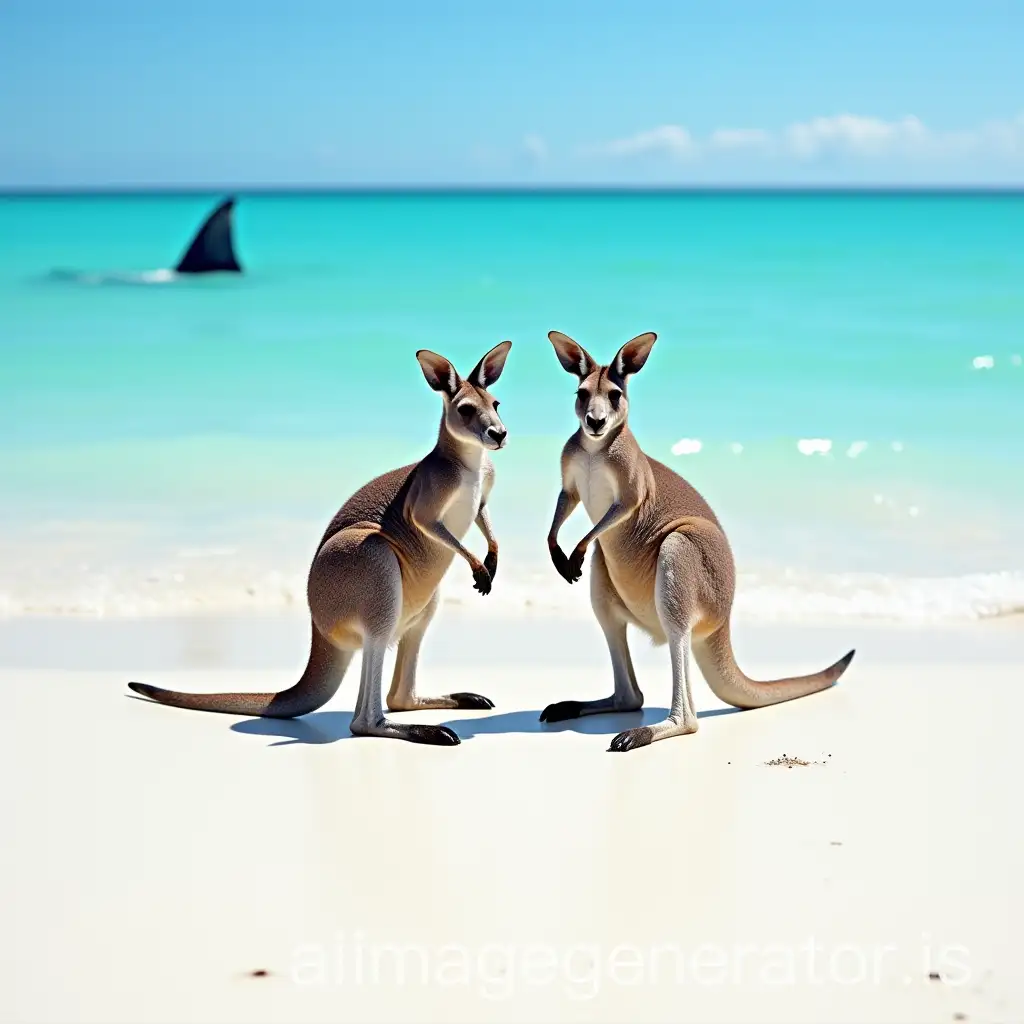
[(466, 412), (496, 403), (614, 397), (582, 394)]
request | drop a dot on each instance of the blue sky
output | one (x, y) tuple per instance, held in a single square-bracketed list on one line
[(94, 92)]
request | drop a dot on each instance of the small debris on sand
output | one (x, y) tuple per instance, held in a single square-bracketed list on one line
[(259, 973), (935, 976), (790, 762)]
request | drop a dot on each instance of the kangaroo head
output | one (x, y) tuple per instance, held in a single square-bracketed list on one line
[(470, 410), (601, 402)]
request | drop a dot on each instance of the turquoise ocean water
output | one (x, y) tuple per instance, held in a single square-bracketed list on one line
[(839, 374)]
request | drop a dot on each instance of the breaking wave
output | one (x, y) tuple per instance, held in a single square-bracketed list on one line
[(139, 277), (783, 596)]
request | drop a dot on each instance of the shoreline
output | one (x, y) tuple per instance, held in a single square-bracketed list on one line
[(765, 596), (280, 642)]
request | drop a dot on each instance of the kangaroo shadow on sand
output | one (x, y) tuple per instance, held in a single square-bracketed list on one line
[(318, 727), (314, 728), (591, 725), (331, 726)]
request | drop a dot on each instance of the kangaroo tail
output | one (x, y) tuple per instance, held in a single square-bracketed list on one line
[(717, 664), (316, 687)]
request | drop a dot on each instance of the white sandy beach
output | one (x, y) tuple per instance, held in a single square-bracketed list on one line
[(154, 859)]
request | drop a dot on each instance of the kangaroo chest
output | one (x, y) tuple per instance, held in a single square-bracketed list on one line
[(464, 507), (596, 485)]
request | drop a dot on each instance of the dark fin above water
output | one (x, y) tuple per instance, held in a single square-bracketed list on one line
[(213, 248)]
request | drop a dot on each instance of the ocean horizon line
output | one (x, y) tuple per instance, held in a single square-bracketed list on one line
[(790, 190)]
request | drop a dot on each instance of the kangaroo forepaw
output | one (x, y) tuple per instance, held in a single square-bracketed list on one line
[(564, 566), (471, 701), (437, 735), (575, 565), (632, 738), (482, 580), (563, 711), (491, 564)]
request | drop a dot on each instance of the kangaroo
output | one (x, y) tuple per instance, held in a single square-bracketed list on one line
[(662, 562), (375, 574)]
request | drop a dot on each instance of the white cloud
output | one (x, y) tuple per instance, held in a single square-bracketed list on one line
[(738, 138), (670, 139), (536, 148), (855, 134)]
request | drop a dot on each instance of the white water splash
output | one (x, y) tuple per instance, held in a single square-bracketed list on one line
[(686, 446), (814, 446)]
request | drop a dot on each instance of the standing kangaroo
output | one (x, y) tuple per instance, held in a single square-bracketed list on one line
[(375, 575), (662, 562)]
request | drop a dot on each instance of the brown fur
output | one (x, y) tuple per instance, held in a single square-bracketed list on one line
[(374, 577), (662, 564)]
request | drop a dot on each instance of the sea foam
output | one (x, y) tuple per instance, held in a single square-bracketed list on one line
[(782, 596)]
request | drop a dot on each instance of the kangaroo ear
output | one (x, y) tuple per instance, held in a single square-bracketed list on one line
[(440, 373), (632, 356), (488, 370), (574, 358)]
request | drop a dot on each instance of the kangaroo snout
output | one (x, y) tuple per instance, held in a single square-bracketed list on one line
[(497, 435), (596, 423)]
